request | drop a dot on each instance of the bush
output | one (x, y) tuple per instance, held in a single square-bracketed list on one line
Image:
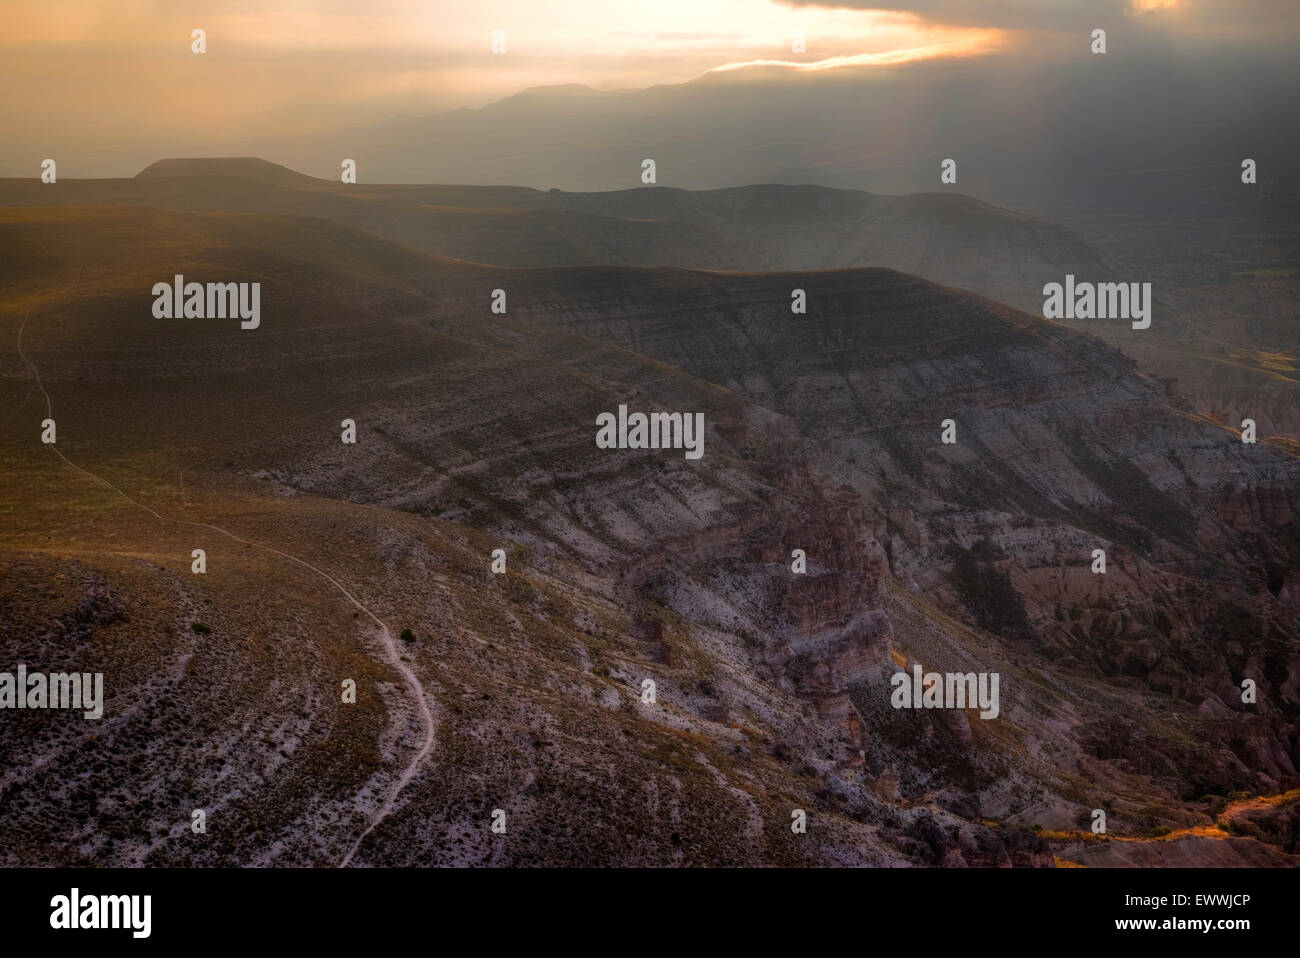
[(408, 635), (201, 628)]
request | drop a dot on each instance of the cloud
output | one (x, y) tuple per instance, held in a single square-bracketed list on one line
[(967, 44), (1228, 18), (82, 76), (1015, 14)]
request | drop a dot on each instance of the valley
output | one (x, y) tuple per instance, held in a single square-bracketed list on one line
[(522, 691)]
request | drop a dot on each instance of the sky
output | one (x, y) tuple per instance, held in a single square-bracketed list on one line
[(119, 75)]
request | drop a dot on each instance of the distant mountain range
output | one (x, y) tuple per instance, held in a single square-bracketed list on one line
[(1085, 136), (1056, 138)]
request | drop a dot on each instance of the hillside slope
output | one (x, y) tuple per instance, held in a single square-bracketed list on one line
[(475, 432), (946, 237)]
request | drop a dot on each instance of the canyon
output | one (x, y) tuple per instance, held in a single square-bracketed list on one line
[(1118, 691)]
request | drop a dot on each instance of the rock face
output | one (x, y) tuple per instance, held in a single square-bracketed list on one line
[(1274, 825), (772, 687), (974, 846), (814, 632), (1061, 449)]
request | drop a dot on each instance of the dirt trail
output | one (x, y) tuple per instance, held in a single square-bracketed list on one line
[(385, 635)]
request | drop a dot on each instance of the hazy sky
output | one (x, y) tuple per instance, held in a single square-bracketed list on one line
[(81, 75)]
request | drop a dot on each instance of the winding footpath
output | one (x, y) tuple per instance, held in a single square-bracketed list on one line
[(385, 635)]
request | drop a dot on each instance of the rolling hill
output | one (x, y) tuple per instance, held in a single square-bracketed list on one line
[(947, 237)]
